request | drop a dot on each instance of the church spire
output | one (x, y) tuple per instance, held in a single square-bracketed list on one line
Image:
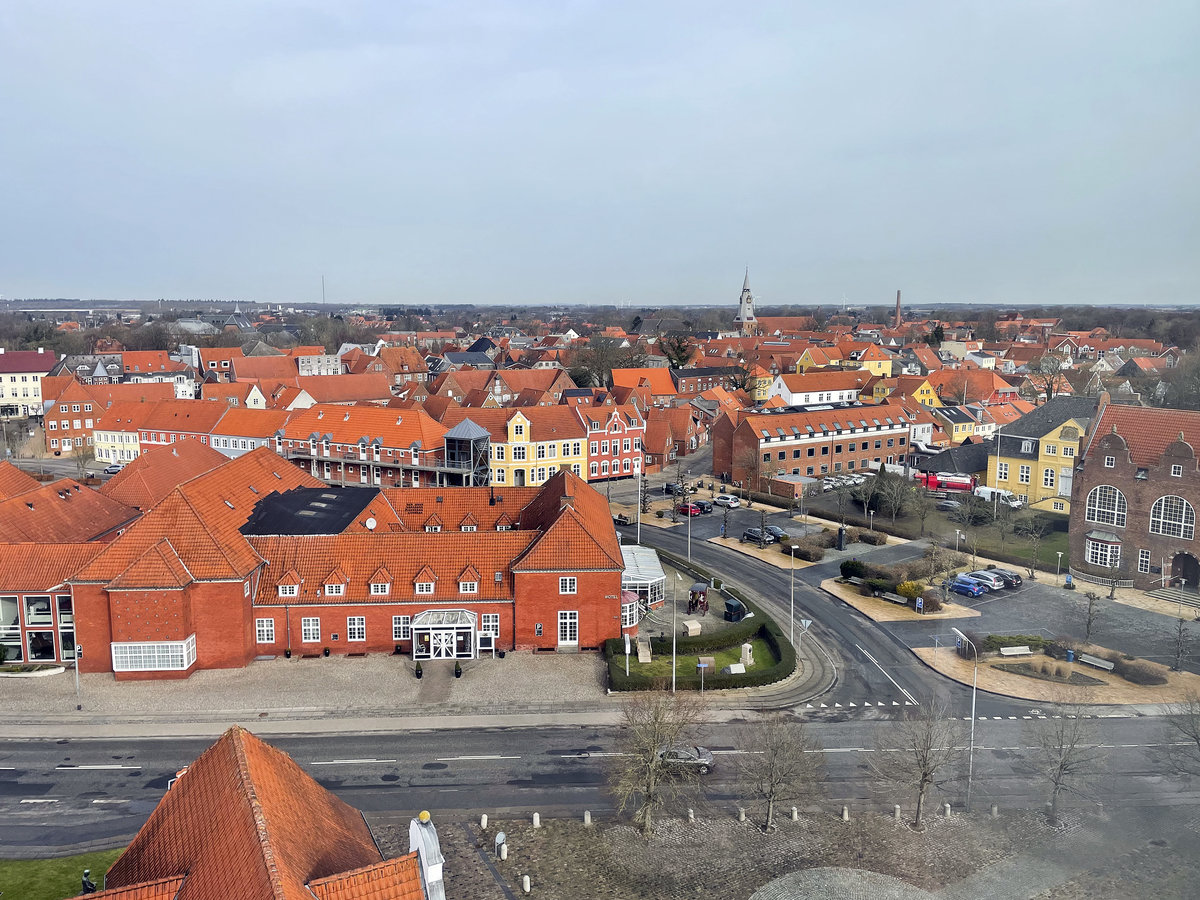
[(745, 320)]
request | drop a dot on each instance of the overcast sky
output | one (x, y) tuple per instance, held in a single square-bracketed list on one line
[(1015, 152)]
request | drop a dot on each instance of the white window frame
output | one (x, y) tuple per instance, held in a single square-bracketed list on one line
[(310, 630), (1144, 562), (289, 590), (1023, 474), (1048, 477), (1103, 554), (335, 590), (568, 584), (568, 628), (1110, 462), (264, 631), (424, 587), (356, 629), (468, 587), (1002, 471), (1176, 470), (1182, 526), (1115, 515), (489, 623), (401, 628), (154, 656), (380, 588)]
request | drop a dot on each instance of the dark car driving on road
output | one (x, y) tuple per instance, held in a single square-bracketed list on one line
[(687, 759)]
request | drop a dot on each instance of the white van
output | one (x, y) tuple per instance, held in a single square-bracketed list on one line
[(991, 494)]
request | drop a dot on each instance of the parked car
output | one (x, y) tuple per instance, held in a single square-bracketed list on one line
[(689, 509), (966, 588), (113, 469), (776, 532), (727, 500), (948, 505), (1011, 579), (674, 487), (686, 759), (969, 578), (991, 579), (705, 506), (757, 536)]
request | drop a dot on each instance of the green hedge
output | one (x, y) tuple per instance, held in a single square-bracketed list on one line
[(760, 625), (993, 642)]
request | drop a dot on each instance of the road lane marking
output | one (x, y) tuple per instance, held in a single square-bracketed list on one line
[(36, 800), (69, 768), (111, 800), (471, 758), (351, 762)]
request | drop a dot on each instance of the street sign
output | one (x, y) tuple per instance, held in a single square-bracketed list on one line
[(920, 603), (79, 651), (805, 623), (626, 644)]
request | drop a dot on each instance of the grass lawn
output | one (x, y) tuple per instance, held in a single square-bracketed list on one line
[(52, 879), (660, 666)]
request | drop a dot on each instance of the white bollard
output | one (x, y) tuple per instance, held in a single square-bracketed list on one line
[(483, 822), (845, 814), (795, 814), (525, 883), (504, 851), (691, 816), (741, 814), (587, 817), (537, 820), (995, 811), (946, 808), (897, 812)]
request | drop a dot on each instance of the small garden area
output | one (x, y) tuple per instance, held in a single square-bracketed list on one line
[(812, 547), (660, 665), (52, 879), (1061, 656)]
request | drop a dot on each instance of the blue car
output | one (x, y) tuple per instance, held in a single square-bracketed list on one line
[(972, 578), (966, 588)]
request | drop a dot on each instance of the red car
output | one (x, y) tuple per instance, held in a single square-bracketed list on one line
[(689, 509)]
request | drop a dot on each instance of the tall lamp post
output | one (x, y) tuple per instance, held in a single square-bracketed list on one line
[(957, 535), (1058, 566), (674, 628), (792, 602), (960, 639), (871, 513)]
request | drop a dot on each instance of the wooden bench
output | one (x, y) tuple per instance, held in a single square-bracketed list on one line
[(1015, 651), (895, 598), (1096, 661), (854, 580)]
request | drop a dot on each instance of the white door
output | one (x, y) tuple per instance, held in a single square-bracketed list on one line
[(442, 644), (568, 628)]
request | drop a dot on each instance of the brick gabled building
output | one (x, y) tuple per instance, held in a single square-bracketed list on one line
[(1134, 496), (245, 821), (614, 440), (74, 409), (257, 557)]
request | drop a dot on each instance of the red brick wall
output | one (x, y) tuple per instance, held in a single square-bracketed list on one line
[(224, 632), (598, 601), (93, 627), (159, 615)]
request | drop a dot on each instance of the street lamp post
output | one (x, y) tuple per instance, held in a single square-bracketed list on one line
[(792, 602), (974, 688), (957, 535), (871, 514), (1058, 566), (674, 627)]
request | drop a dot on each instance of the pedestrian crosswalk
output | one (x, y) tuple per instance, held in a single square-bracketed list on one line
[(864, 704)]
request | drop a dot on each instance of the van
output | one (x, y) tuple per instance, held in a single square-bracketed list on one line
[(991, 495)]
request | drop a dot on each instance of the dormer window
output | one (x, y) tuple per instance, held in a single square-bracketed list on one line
[(335, 590), (380, 589), (289, 590), (1142, 475), (432, 529), (1176, 471), (519, 430), (424, 587), (468, 587), (1026, 446)]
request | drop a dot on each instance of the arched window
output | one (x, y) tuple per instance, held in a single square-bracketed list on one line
[(1174, 517), (1106, 506)]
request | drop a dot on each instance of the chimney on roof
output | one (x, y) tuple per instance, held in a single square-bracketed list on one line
[(567, 501)]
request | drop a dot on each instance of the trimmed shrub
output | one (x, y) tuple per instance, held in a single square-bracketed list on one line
[(879, 585), (809, 552), (993, 642), (910, 589), (931, 602), (875, 538), (1136, 671), (823, 539), (853, 568)]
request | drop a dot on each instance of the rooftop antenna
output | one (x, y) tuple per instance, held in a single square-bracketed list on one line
[(322, 290)]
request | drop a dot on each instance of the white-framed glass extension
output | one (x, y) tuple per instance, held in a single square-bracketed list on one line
[(644, 576), (154, 656), (444, 634)]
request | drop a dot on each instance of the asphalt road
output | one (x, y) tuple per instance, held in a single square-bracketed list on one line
[(59, 794)]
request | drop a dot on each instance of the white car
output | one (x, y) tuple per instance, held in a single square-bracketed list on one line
[(727, 500), (113, 469)]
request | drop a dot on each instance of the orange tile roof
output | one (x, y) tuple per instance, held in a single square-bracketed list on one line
[(826, 380), (576, 525), (44, 567), (252, 368), (181, 416), (353, 558), (1147, 431), (412, 506), (348, 424), (162, 889), (246, 821), (62, 512), (658, 380), (160, 567), (144, 362), (392, 879), (243, 422), (13, 481), (155, 473), (345, 388)]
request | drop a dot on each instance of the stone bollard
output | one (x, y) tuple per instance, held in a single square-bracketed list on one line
[(741, 814), (504, 851), (525, 883), (946, 810), (896, 812), (537, 820), (845, 814), (995, 811), (587, 817), (795, 814), (483, 822), (691, 817)]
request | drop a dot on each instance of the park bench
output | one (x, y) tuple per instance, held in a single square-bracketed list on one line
[(854, 580), (1096, 661), (895, 598), (1016, 651)]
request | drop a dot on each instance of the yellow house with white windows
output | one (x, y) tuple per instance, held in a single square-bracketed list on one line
[(1037, 454), (529, 444)]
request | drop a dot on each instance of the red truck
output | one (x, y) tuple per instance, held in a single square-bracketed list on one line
[(947, 481)]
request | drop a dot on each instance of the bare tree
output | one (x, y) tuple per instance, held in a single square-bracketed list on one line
[(922, 504), (918, 750), (1034, 529), (640, 779), (843, 495), (894, 495), (783, 764), (1181, 743), (971, 510), (677, 348), (1181, 645), (83, 456), (1091, 614), (1065, 755), (1045, 375)]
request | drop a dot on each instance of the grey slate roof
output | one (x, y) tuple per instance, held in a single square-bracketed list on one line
[(966, 458)]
